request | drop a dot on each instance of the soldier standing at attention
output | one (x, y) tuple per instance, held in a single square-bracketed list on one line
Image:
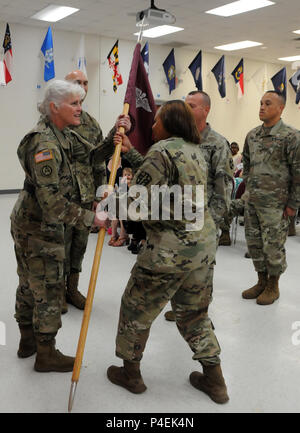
[(175, 263), (90, 175), (218, 157), (38, 220), (271, 159)]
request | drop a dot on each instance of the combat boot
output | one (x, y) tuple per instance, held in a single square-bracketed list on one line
[(48, 358), (64, 305), (259, 287), (129, 377), (73, 296), (211, 382), (292, 227), (225, 238), (271, 292), (27, 345), (170, 316)]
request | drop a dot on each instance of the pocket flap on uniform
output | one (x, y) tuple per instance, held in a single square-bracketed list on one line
[(38, 247)]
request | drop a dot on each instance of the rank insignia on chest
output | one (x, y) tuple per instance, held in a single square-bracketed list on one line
[(45, 155)]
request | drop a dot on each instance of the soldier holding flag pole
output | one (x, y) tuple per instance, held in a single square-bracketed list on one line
[(142, 123)]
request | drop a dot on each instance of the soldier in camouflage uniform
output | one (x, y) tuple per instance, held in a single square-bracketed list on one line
[(271, 160), (44, 207), (89, 177), (218, 157), (174, 264)]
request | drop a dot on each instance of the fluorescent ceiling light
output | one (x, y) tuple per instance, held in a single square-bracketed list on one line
[(297, 32), (54, 13), (158, 31), (238, 45), (239, 7), (290, 59)]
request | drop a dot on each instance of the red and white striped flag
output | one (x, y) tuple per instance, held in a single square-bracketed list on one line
[(7, 60)]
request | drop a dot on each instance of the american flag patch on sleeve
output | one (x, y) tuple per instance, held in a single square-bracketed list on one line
[(45, 155)]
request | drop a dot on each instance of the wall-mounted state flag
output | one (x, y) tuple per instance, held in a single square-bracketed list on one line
[(81, 59), (260, 79), (170, 70), (145, 56), (279, 81), (219, 72), (2, 75), (295, 83), (7, 59), (196, 70), (113, 61), (47, 50), (141, 104), (238, 75)]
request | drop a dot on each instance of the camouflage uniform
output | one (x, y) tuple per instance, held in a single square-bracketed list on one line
[(38, 220), (271, 160), (90, 174), (174, 264), (218, 157)]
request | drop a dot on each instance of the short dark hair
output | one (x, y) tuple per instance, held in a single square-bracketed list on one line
[(205, 95), (281, 95), (178, 120)]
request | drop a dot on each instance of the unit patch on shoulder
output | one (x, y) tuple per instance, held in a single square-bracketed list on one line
[(45, 155), (46, 171), (143, 179)]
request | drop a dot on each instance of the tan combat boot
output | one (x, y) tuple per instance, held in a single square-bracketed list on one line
[(27, 345), (48, 358), (271, 292), (73, 296), (129, 377), (292, 227), (211, 382), (170, 316), (259, 287), (225, 239)]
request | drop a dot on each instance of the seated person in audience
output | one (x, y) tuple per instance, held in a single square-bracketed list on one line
[(236, 156)]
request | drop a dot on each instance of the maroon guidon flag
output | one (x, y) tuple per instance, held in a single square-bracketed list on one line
[(141, 104)]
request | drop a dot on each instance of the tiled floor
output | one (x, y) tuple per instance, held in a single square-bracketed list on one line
[(260, 348)]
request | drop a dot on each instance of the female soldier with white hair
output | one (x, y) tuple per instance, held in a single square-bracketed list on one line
[(38, 222)]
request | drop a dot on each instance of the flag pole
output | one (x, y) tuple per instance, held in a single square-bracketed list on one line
[(140, 36), (93, 280)]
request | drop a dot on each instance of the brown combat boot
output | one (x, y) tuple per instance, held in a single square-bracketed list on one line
[(211, 381), (48, 358), (259, 287), (225, 239), (292, 227), (64, 305), (73, 296), (271, 292), (129, 377), (170, 316), (27, 345)]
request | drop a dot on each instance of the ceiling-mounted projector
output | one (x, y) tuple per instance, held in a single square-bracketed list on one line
[(155, 16)]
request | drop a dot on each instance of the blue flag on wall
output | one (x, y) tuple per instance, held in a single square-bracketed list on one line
[(145, 56), (47, 50), (219, 72), (196, 70), (279, 81), (170, 70)]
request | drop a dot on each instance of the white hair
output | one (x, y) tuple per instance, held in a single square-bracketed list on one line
[(57, 92)]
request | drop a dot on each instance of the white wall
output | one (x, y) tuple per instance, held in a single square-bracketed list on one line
[(18, 100)]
